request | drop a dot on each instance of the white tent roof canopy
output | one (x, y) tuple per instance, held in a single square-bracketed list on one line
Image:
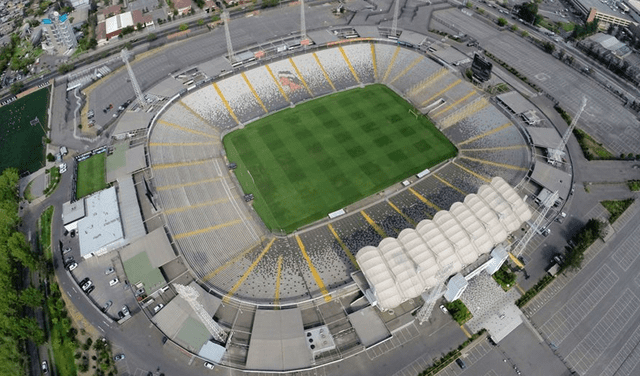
[(401, 269)]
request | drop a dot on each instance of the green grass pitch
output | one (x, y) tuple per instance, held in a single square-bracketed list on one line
[(91, 175), (305, 162), (21, 144)]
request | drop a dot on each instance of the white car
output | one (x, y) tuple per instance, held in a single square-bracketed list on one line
[(443, 308), (114, 282), (63, 168), (86, 286), (209, 365), (73, 265), (158, 308)]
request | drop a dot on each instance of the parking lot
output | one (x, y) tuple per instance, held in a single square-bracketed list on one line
[(604, 117), (101, 271), (590, 318)]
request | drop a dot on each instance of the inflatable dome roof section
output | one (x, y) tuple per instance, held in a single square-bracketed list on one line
[(401, 269)]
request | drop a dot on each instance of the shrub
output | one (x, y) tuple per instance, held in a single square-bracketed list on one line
[(459, 311), (183, 27), (588, 234), (634, 185), (502, 21), (533, 291), (50, 157), (616, 207)]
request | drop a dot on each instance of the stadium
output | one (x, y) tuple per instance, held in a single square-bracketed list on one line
[(258, 131)]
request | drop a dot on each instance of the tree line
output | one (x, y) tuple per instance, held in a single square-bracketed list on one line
[(16, 325)]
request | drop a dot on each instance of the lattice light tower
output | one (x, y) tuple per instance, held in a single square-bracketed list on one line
[(191, 295), (303, 24), (425, 312), (394, 24), (226, 19), (567, 134), (125, 54), (547, 204)]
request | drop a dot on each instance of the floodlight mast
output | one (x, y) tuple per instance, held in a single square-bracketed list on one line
[(547, 204), (394, 25), (125, 54), (226, 18), (190, 294), (425, 312), (303, 24), (567, 134)]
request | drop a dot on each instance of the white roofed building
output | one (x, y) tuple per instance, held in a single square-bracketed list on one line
[(101, 228), (401, 269)]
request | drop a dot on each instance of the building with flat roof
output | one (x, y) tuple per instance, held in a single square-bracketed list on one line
[(72, 212), (115, 24), (100, 231), (608, 13)]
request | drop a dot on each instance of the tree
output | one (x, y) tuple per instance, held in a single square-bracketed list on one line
[(549, 47), (139, 26), (16, 87), (183, 27), (151, 37), (502, 21), (21, 251), (31, 297), (529, 12), (28, 328), (50, 157), (469, 4), (65, 68)]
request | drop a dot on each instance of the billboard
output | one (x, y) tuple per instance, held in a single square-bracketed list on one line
[(481, 68)]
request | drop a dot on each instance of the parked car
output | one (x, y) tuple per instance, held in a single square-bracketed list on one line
[(114, 282), (460, 363), (157, 308), (443, 308), (90, 289), (86, 285), (209, 365), (118, 357), (106, 306), (45, 367), (125, 310), (72, 266), (109, 270), (83, 281)]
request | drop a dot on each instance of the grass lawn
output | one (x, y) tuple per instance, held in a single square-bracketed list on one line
[(616, 207), (590, 147), (21, 144), (305, 162), (62, 339), (91, 175), (45, 233)]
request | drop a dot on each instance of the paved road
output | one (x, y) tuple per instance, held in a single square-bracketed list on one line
[(143, 346), (590, 320)]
